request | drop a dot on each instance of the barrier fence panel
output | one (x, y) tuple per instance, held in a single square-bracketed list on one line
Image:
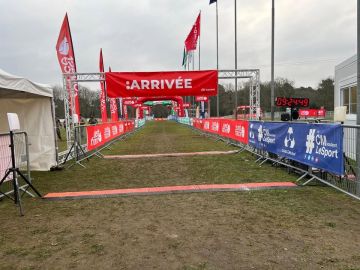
[(89, 139), (326, 152), (348, 180), (21, 159)]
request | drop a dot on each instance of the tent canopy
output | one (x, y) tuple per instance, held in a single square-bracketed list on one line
[(13, 86), (33, 104)]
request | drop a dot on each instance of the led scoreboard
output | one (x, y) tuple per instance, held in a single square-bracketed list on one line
[(292, 102)]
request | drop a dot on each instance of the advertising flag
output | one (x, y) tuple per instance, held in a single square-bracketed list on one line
[(104, 118), (192, 38), (184, 58), (66, 58), (113, 108)]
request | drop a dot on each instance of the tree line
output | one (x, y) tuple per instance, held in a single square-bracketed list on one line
[(322, 96)]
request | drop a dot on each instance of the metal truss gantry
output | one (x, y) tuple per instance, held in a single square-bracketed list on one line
[(254, 76), (70, 80)]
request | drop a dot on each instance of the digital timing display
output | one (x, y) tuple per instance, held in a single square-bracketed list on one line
[(292, 102)]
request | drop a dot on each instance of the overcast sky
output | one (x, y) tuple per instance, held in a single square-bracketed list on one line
[(311, 36)]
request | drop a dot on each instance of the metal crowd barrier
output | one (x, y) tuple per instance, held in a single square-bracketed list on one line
[(21, 160), (346, 183), (82, 152)]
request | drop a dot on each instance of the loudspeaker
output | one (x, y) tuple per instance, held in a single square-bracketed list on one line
[(285, 117)]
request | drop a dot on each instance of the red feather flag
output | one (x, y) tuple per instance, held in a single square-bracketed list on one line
[(192, 38), (66, 57), (102, 94), (113, 108)]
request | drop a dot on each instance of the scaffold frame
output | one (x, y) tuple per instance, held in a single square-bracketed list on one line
[(69, 81), (254, 76)]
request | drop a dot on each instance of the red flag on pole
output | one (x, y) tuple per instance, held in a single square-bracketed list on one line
[(192, 38), (102, 94), (66, 57), (113, 108)]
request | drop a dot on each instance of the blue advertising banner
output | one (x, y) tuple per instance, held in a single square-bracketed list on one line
[(316, 145), (265, 135)]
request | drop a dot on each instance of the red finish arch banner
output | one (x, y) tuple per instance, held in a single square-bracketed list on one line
[(167, 83)]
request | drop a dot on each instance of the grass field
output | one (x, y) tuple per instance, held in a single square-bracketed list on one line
[(305, 228)]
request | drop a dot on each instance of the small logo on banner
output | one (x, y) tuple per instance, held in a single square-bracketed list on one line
[(97, 138), (215, 126), (240, 131), (321, 145), (260, 133), (206, 125), (107, 133), (289, 139), (64, 47), (310, 138), (226, 129), (251, 134), (114, 130)]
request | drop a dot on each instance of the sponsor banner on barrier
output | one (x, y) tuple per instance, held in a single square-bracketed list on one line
[(100, 134), (237, 130), (316, 145), (167, 83), (240, 131), (264, 135)]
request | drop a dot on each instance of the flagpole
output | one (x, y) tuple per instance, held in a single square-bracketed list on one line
[(217, 57), (236, 101), (199, 38), (358, 101), (272, 98)]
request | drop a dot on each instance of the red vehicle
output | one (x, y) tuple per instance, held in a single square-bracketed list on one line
[(243, 112)]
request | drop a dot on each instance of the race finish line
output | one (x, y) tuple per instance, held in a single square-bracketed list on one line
[(171, 154), (168, 190)]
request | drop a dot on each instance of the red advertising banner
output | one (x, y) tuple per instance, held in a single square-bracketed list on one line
[(160, 119), (66, 58), (167, 83), (125, 111), (199, 98), (186, 105), (237, 130), (100, 134), (303, 113), (113, 110)]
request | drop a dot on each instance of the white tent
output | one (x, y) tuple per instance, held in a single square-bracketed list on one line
[(33, 104)]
